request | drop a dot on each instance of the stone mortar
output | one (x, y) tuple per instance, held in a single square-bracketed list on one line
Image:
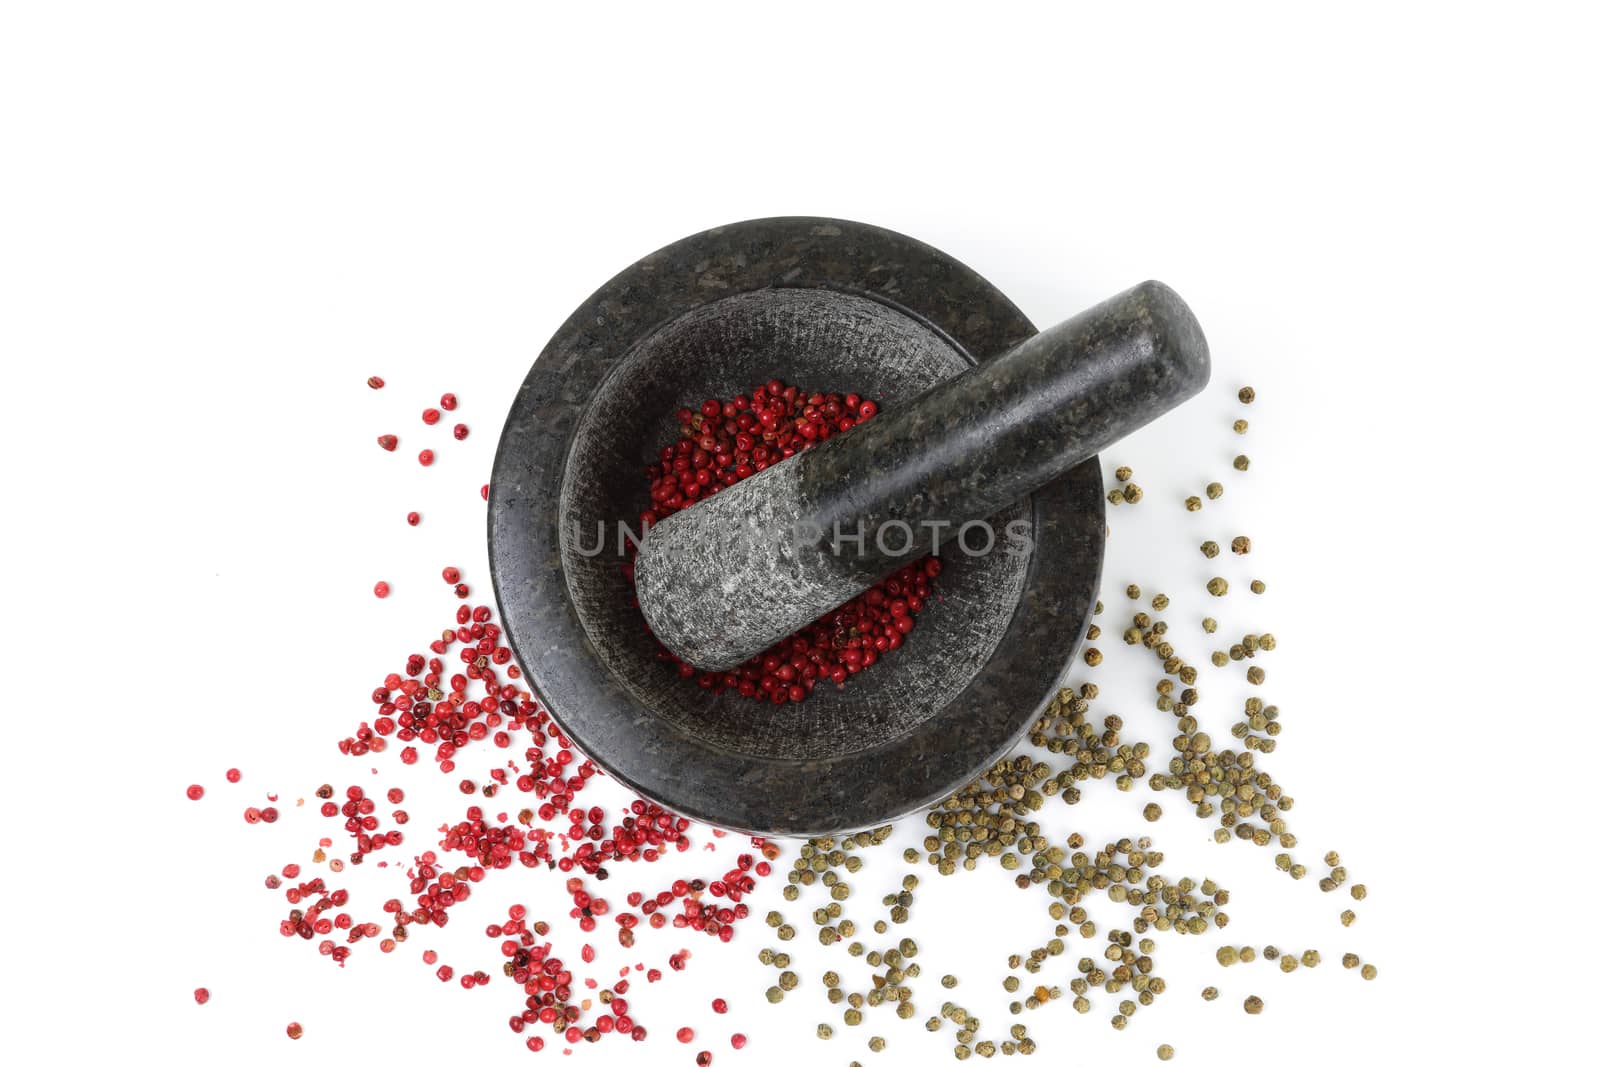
[(824, 304)]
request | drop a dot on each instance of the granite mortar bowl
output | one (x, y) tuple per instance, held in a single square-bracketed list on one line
[(831, 306)]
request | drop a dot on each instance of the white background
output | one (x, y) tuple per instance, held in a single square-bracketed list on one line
[(216, 220)]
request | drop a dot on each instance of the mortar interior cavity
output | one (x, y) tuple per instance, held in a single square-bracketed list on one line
[(819, 340)]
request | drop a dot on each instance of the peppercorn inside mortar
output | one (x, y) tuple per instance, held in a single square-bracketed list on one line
[(727, 441)]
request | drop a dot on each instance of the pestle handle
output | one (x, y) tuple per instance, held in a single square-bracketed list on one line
[(975, 443)]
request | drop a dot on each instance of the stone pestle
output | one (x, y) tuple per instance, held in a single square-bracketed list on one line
[(731, 576)]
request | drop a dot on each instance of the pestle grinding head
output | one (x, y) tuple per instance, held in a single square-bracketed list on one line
[(723, 580)]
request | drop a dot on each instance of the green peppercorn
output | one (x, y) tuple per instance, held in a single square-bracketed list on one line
[(852, 1017), (1133, 494), (774, 994), (1152, 812), (1253, 1005), (824, 1031), (1164, 1052), (1114, 497), (1358, 891), (948, 981), (1288, 962), (1192, 503), (1092, 657), (1208, 624), (1217, 587), (1241, 462), (1247, 395), (876, 1044), (1133, 592), (1347, 917), (1124, 473), (1258, 586), (1160, 602), (1310, 958), (1247, 954), (1209, 549), (1209, 993), (1255, 675), (788, 980), (1351, 961), (1368, 971)]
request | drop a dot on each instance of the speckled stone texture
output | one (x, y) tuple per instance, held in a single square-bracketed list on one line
[(826, 304), (956, 454)]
